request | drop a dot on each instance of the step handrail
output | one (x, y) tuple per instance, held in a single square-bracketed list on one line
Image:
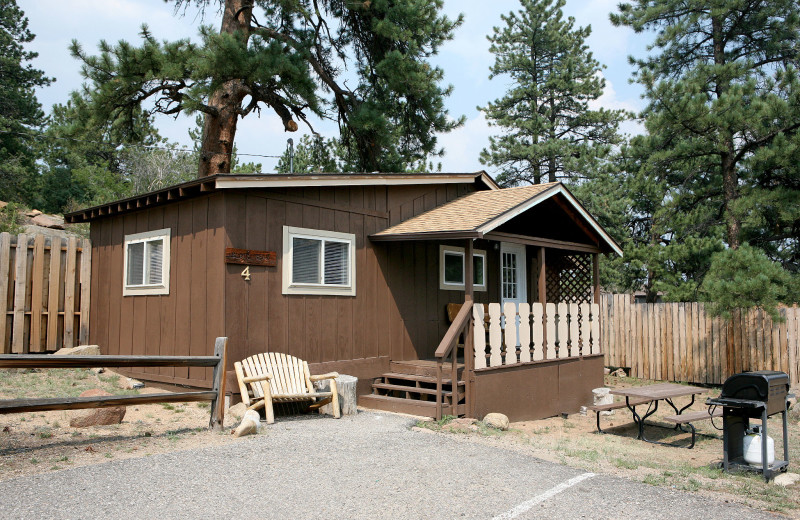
[(216, 395), (447, 347)]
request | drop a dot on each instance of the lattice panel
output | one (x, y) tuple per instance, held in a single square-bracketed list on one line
[(569, 278)]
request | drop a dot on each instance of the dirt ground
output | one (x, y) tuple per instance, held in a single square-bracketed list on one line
[(41, 442)]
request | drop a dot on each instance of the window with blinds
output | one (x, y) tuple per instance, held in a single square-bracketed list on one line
[(318, 262), (147, 263)]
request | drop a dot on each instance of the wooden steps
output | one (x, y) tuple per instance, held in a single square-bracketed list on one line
[(410, 387)]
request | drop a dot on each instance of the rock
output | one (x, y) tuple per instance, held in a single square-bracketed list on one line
[(99, 416), (251, 423), (620, 372), (606, 371), (584, 411), (237, 410), (48, 222), (98, 370), (786, 479), (81, 350), (33, 213), (496, 420), (132, 384), (3, 204)]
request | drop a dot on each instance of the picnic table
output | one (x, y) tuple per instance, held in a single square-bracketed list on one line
[(652, 394)]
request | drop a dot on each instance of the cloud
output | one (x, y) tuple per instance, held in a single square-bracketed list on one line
[(463, 145)]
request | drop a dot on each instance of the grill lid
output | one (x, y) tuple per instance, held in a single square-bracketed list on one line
[(760, 389)]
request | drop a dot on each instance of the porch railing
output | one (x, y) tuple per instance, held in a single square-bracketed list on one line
[(447, 349), (523, 333)]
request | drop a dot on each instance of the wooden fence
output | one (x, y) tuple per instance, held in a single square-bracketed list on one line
[(44, 293), (682, 342), (538, 333)]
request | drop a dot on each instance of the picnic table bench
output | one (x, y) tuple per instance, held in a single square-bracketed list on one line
[(597, 408), (691, 417)]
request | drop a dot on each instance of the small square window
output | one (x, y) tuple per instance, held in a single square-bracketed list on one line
[(146, 263), (318, 262), (451, 274)]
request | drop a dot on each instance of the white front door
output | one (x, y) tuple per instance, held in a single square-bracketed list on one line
[(513, 286)]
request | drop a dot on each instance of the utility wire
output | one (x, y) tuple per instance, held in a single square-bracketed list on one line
[(41, 135)]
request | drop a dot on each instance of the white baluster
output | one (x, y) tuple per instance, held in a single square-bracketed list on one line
[(563, 331), (585, 329), (573, 329), (495, 335), (595, 328), (537, 328), (550, 309), (479, 336), (510, 312), (524, 332)]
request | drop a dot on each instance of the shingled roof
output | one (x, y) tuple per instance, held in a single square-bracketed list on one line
[(480, 212)]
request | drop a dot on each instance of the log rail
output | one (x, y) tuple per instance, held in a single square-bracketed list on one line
[(215, 395)]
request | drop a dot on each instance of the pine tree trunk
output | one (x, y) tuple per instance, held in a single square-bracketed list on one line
[(730, 179), (219, 128)]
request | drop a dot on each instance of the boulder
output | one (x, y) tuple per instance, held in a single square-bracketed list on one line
[(48, 222), (251, 423), (132, 384), (33, 213), (99, 416), (496, 420), (786, 479), (3, 204), (81, 350)]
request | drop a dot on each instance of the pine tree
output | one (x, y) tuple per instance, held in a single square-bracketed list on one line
[(724, 113), (549, 131), (363, 64), (21, 114)]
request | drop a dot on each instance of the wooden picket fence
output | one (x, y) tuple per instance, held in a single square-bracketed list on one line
[(44, 293), (682, 342), (522, 333)]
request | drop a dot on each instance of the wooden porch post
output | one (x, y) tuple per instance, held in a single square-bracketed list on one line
[(469, 297), (543, 296), (596, 291)]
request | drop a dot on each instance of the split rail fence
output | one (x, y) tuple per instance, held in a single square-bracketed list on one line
[(682, 342), (44, 293)]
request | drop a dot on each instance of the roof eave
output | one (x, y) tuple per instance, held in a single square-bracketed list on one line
[(427, 235)]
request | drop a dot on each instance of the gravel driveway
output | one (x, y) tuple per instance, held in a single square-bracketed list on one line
[(366, 466)]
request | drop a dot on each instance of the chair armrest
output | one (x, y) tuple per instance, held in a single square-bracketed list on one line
[(329, 375), (253, 379)]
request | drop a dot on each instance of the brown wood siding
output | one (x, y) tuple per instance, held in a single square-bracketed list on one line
[(185, 321), (398, 311)]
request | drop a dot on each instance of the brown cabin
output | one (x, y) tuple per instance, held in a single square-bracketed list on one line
[(354, 273)]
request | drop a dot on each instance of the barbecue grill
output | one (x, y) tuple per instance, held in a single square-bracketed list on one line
[(752, 395)]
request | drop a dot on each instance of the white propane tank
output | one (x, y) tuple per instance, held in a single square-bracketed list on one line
[(752, 448)]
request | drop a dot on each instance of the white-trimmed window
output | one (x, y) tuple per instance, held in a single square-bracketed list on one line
[(451, 268), (146, 264), (318, 262)]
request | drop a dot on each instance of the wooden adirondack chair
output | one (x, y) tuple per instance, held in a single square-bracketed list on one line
[(280, 378)]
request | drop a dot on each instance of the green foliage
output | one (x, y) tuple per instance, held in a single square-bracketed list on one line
[(743, 278), (364, 64), (549, 132), (20, 113), (312, 154), (10, 220), (720, 165)]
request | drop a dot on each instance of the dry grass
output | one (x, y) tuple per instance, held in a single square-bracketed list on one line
[(40, 442), (574, 441)]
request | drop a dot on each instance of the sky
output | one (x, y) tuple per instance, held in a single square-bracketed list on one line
[(465, 60)]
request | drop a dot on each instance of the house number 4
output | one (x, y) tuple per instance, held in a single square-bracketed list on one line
[(246, 274)]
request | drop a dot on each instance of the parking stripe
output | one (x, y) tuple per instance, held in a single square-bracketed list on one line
[(528, 504)]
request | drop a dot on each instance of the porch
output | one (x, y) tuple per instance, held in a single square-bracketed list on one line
[(528, 350)]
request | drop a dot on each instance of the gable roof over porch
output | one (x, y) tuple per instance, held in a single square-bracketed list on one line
[(480, 213)]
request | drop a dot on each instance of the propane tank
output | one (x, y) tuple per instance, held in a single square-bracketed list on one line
[(752, 447)]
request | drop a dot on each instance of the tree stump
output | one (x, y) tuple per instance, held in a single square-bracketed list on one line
[(346, 388)]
